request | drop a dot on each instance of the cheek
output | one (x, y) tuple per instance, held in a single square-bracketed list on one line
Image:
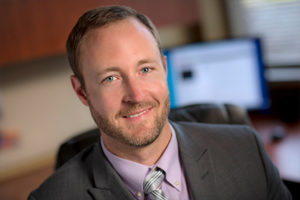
[(105, 101), (160, 89)]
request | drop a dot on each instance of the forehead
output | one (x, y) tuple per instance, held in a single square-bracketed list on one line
[(122, 35)]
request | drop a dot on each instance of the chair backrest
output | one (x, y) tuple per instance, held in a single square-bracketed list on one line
[(206, 113), (211, 113)]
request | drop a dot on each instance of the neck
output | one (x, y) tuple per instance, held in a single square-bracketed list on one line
[(146, 155)]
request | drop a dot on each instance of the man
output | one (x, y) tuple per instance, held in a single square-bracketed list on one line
[(120, 73)]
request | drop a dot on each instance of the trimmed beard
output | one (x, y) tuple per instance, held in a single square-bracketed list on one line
[(117, 132)]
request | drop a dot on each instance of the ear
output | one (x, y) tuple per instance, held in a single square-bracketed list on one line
[(79, 90), (166, 65)]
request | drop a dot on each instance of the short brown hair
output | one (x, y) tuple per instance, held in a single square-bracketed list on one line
[(96, 18)]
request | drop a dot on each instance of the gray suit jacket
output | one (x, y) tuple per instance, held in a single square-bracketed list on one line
[(221, 162)]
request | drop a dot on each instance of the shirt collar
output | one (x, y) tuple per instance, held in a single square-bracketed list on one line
[(170, 163), (133, 173)]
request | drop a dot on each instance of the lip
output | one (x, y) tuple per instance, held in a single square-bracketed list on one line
[(137, 115)]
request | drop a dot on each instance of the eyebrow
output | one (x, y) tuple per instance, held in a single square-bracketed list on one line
[(109, 69), (144, 61)]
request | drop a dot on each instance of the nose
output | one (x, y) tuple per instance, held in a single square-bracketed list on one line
[(133, 91)]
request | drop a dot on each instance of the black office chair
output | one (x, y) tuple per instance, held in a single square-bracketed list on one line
[(206, 113)]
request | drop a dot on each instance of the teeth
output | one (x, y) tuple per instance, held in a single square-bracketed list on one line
[(136, 115)]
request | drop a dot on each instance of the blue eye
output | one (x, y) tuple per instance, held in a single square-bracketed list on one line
[(146, 69), (110, 79)]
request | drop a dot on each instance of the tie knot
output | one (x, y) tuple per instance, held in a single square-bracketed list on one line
[(153, 180), (152, 184)]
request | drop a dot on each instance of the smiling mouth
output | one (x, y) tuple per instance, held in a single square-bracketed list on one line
[(136, 114)]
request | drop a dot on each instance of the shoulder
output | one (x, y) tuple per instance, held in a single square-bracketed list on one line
[(237, 141), (68, 181), (214, 131)]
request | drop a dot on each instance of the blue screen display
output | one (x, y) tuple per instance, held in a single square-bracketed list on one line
[(227, 71)]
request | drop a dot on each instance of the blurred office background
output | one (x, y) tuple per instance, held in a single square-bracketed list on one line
[(39, 110)]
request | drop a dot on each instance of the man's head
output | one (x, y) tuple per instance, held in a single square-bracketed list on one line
[(97, 18), (121, 75)]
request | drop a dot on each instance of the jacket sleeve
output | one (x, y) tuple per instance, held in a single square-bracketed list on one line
[(276, 188)]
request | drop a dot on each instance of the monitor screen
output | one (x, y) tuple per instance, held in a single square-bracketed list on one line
[(227, 71)]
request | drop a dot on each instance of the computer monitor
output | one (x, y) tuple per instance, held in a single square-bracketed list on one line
[(227, 71)]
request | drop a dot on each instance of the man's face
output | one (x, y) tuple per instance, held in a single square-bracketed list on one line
[(125, 82)]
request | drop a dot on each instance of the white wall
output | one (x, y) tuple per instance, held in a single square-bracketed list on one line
[(38, 100)]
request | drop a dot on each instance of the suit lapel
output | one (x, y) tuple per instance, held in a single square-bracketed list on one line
[(108, 184), (197, 163)]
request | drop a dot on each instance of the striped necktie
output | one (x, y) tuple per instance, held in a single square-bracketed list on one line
[(152, 185)]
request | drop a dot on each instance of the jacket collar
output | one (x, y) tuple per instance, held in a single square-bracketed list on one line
[(197, 162), (108, 184)]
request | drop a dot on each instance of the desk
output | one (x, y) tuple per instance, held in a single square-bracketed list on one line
[(285, 153)]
